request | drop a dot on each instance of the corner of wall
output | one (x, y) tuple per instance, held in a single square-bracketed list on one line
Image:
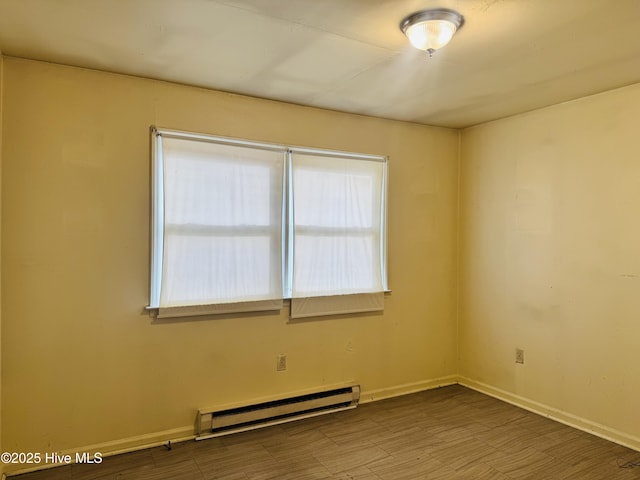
[(1, 102), (458, 253)]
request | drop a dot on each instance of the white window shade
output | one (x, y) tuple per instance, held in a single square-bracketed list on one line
[(221, 223), (337, 305), (338, 233)]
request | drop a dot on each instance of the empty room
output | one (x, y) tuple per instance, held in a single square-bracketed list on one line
[(320, 239)]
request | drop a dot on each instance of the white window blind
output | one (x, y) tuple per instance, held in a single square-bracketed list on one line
[(239, 226), (338, 207), (337, 224), (221, 223)]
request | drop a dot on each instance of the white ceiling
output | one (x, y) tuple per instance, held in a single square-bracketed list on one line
[(509, 57)]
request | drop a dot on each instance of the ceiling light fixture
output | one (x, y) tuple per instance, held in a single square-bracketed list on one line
[(430, 30)]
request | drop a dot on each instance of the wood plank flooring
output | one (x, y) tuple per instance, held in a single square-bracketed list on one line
[(451, 433)]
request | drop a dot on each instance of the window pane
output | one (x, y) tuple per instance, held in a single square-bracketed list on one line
[(347, 199), (199, 270), (222, 223), (336, 265), (193, 186)]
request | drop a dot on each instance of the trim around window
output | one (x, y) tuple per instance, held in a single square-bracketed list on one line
[(158, 230)]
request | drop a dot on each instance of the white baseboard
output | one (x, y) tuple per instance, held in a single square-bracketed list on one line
[(558, 415), (140, 442), (367, 396)]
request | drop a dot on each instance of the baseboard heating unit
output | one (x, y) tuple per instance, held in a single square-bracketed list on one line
[(216, 422)]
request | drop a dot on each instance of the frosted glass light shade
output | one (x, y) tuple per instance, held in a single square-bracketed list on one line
[(431, 35), (430, 30)]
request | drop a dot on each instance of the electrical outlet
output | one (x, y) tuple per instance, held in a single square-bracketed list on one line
[(519, 355), (281, 363)]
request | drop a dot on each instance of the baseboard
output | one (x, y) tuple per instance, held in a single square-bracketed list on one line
[(558, 415), (367, 396), (156, 439)]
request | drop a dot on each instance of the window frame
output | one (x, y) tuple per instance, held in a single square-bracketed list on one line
[(157, 223)]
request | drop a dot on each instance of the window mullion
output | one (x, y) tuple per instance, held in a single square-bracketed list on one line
[(383, 229), (288, 227)]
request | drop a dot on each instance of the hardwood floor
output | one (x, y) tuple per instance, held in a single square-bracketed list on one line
[(451, 433)]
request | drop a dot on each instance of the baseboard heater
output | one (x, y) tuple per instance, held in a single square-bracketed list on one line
[(216, 422)]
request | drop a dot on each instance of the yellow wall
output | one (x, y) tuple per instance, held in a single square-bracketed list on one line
[(84, 365), (550, 261)]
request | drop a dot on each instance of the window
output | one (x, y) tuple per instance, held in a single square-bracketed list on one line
[(337, 218), (239, 226)]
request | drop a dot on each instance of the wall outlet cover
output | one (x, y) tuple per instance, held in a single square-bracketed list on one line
[(281, 363)]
